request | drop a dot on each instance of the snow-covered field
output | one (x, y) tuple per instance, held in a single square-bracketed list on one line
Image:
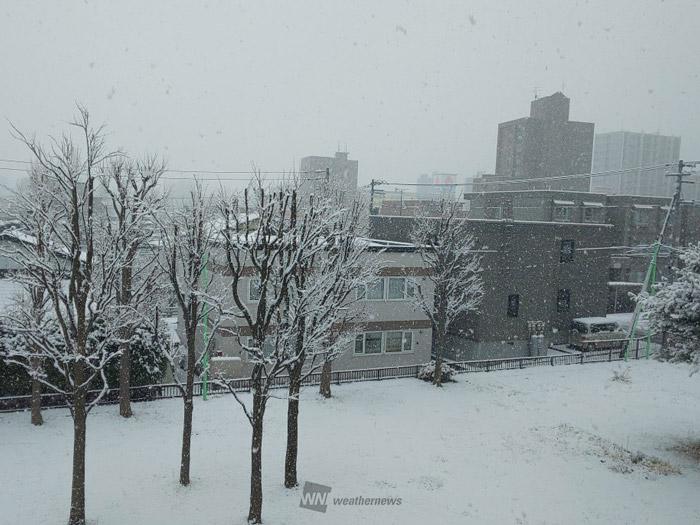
[(529, 447)]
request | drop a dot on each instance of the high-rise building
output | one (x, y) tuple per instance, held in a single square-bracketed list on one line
[(641, 157), (338, 173), (545, 145)]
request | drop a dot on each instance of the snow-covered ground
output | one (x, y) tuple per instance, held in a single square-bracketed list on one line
[(542, 445)]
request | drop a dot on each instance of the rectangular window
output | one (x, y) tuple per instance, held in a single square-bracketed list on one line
[(399, 288), (562, 213), (566, 251), (563, 300), (360, 344), (513, 305), (254, 289), (375, 290), (361, 292), (407, 341), (410, 289), (592, 214), (373, 343), (640, 217), (615, 274), (394, 341), (268, 345)]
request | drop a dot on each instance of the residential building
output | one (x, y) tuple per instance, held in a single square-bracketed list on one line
[(538, 276), (388, 331), (636, 222), (641, 159), (546, 145), (338, 173)]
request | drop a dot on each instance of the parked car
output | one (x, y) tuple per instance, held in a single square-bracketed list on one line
[(595, 333)]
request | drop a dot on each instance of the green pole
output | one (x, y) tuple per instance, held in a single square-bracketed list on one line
[(652, 281), (205, 336), (648, 281)]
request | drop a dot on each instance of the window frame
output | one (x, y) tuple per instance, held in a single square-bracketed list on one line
[(567, 209), (513, 312), (406, 346), (567, 257), (251, 282), (563, 294)]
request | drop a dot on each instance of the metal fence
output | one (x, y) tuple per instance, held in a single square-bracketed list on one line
[(166, 391)]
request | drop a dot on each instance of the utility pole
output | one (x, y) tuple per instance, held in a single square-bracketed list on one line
[(372, 191), (650, 279)]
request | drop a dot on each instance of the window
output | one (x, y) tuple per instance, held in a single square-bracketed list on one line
[(513, 305), (615, 274), (566, 251), (407, 341), (562, 213), (393, 342), (640, 217), (268, 346), (375, 290), (563, 300), (254, 289), (397, 289), (591, 215), (373, 343), (360, 344)]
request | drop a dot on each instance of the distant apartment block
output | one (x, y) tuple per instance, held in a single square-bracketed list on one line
[(635, 153), (546, 145), (337, 172)]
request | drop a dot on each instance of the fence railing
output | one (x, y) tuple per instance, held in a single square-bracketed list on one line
[(171, 390)]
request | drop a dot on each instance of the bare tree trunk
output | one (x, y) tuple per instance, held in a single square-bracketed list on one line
[(187, 424), (439, 344), (77, 501), (290, 461), (256, 495), (325, 388), (437, 376), (125, 333), (37, 418), (125, 380)]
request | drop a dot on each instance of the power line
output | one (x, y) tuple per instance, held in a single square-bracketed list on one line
[(519, 181)]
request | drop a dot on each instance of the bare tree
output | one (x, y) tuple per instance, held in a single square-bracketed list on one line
[(32, 226), (446, 246), (77, 269), (188, 238), (265, 237), (318, 305), (133, 191)]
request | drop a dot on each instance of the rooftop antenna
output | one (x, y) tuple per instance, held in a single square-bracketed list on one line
[(536, 90)]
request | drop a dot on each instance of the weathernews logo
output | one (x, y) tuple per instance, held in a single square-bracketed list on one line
[(315, 497)]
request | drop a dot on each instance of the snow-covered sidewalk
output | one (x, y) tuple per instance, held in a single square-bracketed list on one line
[(541, 445)]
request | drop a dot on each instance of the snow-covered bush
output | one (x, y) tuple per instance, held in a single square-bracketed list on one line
[(427, 372), (674, 308)]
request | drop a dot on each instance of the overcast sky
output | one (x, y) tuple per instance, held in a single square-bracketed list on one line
[(410, 87)]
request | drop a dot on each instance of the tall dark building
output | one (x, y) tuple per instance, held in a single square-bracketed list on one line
[(544, 145)]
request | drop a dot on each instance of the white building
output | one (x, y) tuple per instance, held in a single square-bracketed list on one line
[(634, 153)]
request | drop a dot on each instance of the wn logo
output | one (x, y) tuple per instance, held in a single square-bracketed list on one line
[(314, 497)]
